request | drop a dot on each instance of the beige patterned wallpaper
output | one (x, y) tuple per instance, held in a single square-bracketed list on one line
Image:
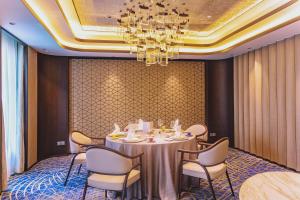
[(103, 92)]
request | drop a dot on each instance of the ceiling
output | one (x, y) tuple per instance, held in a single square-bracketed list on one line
[(205, 15), (215, 37)]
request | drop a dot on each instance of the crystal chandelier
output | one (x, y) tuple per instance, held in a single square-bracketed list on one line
[(154, 29)]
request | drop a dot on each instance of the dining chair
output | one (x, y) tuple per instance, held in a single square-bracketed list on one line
[(201, 133), (112, 170), (209, 165), (78, 143)]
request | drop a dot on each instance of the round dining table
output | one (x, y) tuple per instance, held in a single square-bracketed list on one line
[(271, 186), (160, 163)]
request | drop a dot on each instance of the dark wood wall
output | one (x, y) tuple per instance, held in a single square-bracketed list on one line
[(219, 98), (53, 75)]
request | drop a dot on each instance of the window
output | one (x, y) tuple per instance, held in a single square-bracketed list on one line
[(12, 58)]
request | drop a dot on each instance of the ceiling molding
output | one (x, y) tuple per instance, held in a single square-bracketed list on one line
[(280, 16)]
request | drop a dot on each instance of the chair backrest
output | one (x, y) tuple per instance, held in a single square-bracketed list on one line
[(199, 129), (108, 161), (215, 154), (76, 139)]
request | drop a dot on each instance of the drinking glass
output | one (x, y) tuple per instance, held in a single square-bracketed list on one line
[(172, 124), (160, 123)]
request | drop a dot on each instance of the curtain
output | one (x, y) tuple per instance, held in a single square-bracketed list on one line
[(267, 102), (12, 103)]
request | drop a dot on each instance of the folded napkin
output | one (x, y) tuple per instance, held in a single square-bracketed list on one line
[(140, 124), (117, 129), (130, 134), (176, 123), (177, 128)]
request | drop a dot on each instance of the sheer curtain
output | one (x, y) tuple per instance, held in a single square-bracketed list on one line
[(12, 103)]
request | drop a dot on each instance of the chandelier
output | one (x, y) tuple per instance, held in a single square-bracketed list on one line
[(154, 29)]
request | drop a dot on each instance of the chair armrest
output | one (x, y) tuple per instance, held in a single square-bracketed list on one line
[(102, 139), (96, 138), (87, 145), (187, 151), (204, 143), (136, 156), (201, 134), (135, 166)]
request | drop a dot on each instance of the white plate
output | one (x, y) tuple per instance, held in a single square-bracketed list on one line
[(179, 138), (117, 134), (133, 140)]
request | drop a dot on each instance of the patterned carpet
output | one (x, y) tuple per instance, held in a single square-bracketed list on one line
[(45, 180)]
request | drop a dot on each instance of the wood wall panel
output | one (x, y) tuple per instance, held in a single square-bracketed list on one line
[(219, 88), (265, 103), (1, 137), (274, 101), (52, 105), (297, 74), (240, 92), (245, 93), (32, 108), (236, 103), (104, 92), (291, 104)]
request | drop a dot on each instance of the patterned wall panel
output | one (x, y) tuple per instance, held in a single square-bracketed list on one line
[(104, 92)]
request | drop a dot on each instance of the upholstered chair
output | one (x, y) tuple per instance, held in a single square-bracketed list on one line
[(209, 165), (78, 143), (201, 133), (112, 170)]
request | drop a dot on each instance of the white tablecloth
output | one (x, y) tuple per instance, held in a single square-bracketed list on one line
[(160, 164)]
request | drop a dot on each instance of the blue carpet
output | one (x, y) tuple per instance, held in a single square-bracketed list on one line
[(45, 180)]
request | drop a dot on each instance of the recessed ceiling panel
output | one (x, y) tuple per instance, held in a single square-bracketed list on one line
[(204, 15)]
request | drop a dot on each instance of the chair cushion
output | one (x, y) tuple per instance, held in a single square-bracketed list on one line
[(108, 182), (195, 170), (80, 157)]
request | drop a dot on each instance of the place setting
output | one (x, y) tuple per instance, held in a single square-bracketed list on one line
[(143, 131)]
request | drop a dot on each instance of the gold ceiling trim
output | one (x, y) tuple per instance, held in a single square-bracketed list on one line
[(245, 26), (214, 29), (186, 53), (195, 40), (285, 17), (187, 44)]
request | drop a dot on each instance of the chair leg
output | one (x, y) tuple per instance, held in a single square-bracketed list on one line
[(105, 193), (142, 188), (199, 182), (232, 192), (179, 185), (84, 191), (189, 184), (79, 168), (70, 168), (123, 194), (212, 189)]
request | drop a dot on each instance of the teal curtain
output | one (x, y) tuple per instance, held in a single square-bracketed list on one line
[(13, 105)]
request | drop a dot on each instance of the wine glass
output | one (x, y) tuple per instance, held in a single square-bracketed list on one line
[(160, 123), (172, 124)]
